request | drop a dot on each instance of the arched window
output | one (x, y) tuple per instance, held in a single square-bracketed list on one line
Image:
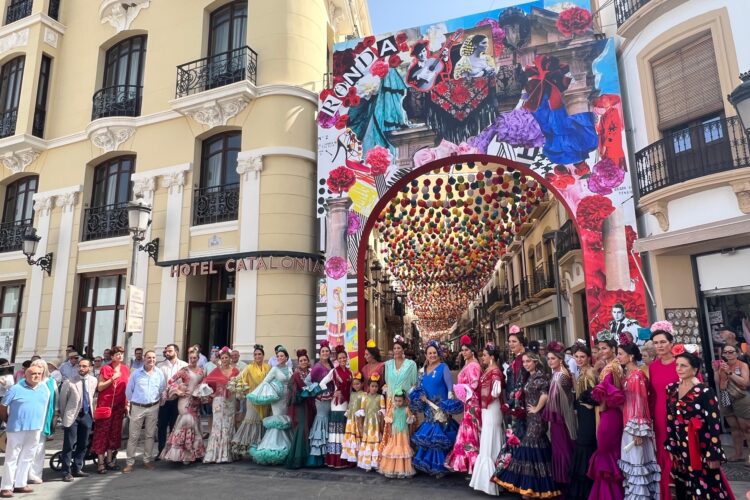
[(11, 77), (18, 212), (122, 82), (108, 215), (217, 199)]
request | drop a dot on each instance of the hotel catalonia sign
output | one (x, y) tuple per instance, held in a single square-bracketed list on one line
[(309, 264)]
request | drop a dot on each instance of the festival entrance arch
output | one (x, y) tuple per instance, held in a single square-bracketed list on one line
[(477, 89)]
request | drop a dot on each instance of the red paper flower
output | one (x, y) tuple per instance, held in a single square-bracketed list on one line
[(403, 47), (359, 47), (560, 181), (342, 121), (342, 61), (582, 168), (678, 349), (336, 267), (592, 210), (340, 179), (369, 41), (401, 38), (379, 159), (574, 21), (394, 61), (379, 68)]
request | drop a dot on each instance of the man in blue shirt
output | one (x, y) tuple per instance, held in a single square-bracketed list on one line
[(145, 391), (25, 408)]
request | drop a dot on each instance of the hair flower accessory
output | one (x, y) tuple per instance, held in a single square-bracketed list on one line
[(662, 326), (515, 329), (371, 344), (555, 346), (357, 376), (374, 377), (258, 347), (490, 347), (678, 349), (465, 340), (604, 336), (692, 349), (398, 338), (339, 349), (224, 350), (324, 343)]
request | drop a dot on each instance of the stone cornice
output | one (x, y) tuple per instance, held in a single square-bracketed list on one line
[(64, 198)]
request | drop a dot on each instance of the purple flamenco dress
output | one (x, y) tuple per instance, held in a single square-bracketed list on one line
[(603, 467)]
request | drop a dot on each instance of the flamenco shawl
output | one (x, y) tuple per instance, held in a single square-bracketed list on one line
[(559, 403), (546, 77), (461, 108), (380, 114), (217, 381), (343, 382), (694, 427)]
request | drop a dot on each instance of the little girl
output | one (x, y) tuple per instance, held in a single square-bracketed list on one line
[(370, 413), (352, 432), (395, 461)]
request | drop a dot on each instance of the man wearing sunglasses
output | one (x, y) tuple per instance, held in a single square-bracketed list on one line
[(69, 369)]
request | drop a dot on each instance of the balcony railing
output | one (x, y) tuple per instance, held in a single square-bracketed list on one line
[(216, 71), (568, 240), (8, 123), (18, 10), (542, 280), (714, 146), (107, 221), (118, 100), (626, 8), (54, 9), (215, 203), (11, 234)]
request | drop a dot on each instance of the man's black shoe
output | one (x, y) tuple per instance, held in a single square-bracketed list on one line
[(80, 473), (67, 478)]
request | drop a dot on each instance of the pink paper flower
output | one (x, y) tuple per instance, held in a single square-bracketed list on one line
[(353, 223), (336, 267), (605, 177), (379, 159)]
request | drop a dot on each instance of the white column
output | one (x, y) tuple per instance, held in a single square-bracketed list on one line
[(144, 184), (67, 201), (43, 203), (173, 181), (249, 166)]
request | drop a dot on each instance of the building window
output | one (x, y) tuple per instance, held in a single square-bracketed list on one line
[(101, 312), (11, 296), (217, 199), (17, 9), (40, 110), (18, 212), (108, 215), (11, 77), (122, 85), (228, 28), (54, 9)]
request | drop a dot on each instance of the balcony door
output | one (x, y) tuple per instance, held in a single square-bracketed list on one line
[(122, 83), (697, 148), (108, 215), (11, 77), (18, 212), (227, 37), (217, 199)]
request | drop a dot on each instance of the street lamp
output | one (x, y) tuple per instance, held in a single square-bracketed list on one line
[(138, 222), (554, 236), (30, 243), (740, 99)]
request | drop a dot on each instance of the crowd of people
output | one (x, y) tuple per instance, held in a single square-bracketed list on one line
[(567, 423)]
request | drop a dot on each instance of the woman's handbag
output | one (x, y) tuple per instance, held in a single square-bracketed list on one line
[(104, 412), (734, 391)]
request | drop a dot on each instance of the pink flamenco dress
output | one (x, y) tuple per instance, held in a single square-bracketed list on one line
[(466, 449), (562, 425), (603, 467), (660, 376)]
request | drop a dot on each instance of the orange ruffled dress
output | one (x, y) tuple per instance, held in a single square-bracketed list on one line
[(395, 460)]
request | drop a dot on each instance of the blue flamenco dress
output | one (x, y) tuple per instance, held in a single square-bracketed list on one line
[(436, 436), (276, 443), (568, 138)]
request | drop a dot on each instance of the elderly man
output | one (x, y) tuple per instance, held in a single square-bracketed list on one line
[(77, 413), (25, 408), (168, 411), (69, 368), (235, 360), (144, 391)]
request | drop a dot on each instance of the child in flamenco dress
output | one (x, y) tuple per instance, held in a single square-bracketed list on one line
[(371, 410), (395, 461), (352, 431)]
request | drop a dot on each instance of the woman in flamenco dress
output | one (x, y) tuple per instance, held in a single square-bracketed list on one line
[(341, 377), (301, 411), (319, 429), (580, 483)]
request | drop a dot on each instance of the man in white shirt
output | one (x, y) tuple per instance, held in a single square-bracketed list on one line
[(168, 411), (137, 361), (69, 369), (236, 362)]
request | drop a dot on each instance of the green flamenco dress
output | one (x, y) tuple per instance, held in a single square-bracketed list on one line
[(276, 443), (302, 411)]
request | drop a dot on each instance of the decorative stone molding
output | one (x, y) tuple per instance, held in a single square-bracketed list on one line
[(66, 201), (43, 204), (660, 211), (173, 182), (218, 112), (249, 164), (144, 187), (17, 161), (742, 192), (14, 40), (121, 14), (51, 37), (109, 138)]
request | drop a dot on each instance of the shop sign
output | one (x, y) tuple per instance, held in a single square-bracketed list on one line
[(135, 310), (254, 263)]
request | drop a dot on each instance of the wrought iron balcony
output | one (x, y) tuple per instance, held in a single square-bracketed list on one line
[(107, 221), (542, 281), (11, 234), (18, 10), (8, 123), (54, 9), (217, 71), (118, 100), (714, 146), (626, 8), (568, 240), (215, 203)]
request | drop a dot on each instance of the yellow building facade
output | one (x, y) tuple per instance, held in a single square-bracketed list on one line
[(207, 113)]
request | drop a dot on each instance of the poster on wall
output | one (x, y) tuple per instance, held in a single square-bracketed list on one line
[(6, 342), (533, 88)]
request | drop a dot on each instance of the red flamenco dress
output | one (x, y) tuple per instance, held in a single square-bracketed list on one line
[(603, 467)]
